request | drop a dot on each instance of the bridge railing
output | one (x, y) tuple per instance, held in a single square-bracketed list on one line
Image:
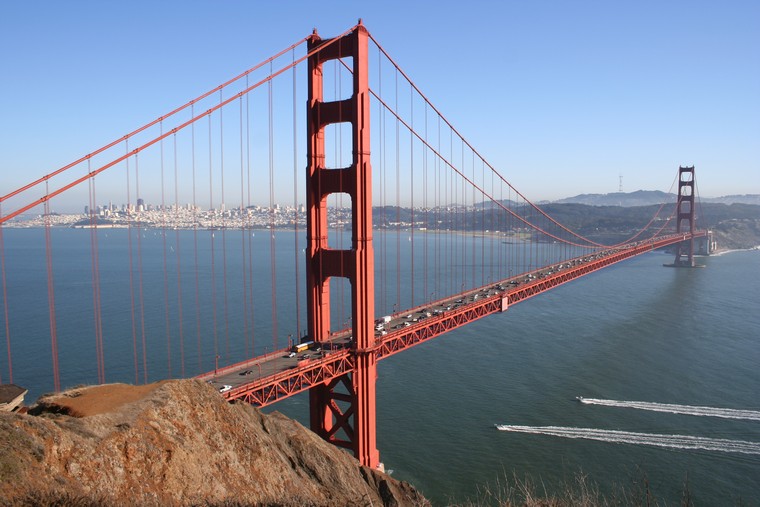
[(282, 384)]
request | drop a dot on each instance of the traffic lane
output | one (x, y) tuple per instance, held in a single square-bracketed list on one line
[(261, 369), (253, 371)]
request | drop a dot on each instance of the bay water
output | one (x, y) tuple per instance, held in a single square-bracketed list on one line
[(667, 362), (678, 340)]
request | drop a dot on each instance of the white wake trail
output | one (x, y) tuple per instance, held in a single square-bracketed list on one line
[(726, 413), (627, 437)]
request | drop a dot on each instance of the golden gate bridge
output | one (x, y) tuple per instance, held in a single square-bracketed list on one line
[(409, 234)]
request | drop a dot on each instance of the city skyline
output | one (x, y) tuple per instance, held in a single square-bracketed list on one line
[(577, 96)]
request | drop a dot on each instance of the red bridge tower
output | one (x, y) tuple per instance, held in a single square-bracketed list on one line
[(348, 402), (685, 212)]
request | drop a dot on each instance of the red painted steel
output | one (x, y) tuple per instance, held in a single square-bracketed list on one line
[(358, 419), (685, 211), (336, 364), (342, 379), (49, 194), (267, 390)]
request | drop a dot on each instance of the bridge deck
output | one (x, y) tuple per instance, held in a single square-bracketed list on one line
[(266, 379)]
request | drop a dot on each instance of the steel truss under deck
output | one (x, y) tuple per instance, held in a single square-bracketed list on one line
[(341, 383), (335, 365)]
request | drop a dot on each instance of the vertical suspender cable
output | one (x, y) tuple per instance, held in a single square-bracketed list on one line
[(437, 185), (51, 293), (528, 253), (425, 293), (548, 255), (296, 251), (473, 236), (517, 246), (502, 229), (195, 244), (453, 211), (213, 246), (5, 304), (95, 269), (381, 154), (528, 245), (140, 275), (166, 269), (544, 251), (180, 312), (411, 189), (530, 236), (483, 225), (224, 234), (455, 228), (457, 234), (426, 223), (244, 231), (451, 201), (468, 232), (538, 236), (248, 200), (464, 224), (513, 261), (130, 211), (271, 215), (507, 249), (533, 243), (525, 238), (5, 296), (492, 228), (398, 201)]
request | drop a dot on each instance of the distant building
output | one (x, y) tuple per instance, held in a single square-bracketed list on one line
[(11, 397)]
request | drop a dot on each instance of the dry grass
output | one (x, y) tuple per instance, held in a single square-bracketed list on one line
[(581, 492), (87, 401)]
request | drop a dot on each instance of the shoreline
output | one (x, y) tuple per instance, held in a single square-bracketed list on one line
[(727, 251)]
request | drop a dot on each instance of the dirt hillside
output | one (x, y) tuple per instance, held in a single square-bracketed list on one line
[(176, 443)]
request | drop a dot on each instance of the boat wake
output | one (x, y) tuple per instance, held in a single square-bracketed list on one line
[(725, 413), (651, 439)]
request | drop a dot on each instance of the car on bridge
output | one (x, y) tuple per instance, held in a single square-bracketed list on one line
[(224, 388)]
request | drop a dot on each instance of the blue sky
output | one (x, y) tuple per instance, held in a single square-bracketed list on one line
[(562, 97)]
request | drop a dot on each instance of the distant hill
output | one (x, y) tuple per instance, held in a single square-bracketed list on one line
[(629, 199), (650, 197), (735, 225), (734, 199)]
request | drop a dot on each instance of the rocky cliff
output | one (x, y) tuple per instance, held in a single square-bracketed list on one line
[(176, 443)]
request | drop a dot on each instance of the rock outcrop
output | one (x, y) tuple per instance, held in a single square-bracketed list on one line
[(176, 443)]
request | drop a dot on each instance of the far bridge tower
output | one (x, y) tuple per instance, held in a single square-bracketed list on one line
[(685, 218)]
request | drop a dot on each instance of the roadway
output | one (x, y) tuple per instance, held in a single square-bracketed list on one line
[(269, 378)]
